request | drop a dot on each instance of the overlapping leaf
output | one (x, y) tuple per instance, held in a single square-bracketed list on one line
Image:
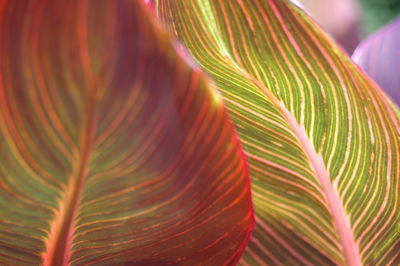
[(321, 140), (112, 150), (379, 56)]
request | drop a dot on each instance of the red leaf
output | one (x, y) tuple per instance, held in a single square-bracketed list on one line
[(112, 149)]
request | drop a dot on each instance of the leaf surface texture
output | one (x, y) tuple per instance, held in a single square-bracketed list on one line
[(113, 151), (322, 142)]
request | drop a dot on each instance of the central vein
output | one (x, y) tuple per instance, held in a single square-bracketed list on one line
[(60, 240), (340, 219)]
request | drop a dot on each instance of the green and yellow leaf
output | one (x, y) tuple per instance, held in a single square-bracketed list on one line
[(113, 151), (322, 142)]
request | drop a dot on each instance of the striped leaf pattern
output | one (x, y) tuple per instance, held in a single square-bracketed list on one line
[(322, 142), (113, 151)]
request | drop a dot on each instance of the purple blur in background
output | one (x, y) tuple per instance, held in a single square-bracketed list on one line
[(379, 57)]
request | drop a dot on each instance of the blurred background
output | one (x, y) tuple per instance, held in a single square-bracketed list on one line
[(350, 21)]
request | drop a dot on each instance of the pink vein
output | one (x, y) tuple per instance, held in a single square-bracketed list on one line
[(62, 229), (340, 219)]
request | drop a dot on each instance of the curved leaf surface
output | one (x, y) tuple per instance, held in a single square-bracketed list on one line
[(379, 57), (112, 150), (322, 142)]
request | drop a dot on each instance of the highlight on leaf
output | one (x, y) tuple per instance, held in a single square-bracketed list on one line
[(321, 140), (379, 57), (113, 151)]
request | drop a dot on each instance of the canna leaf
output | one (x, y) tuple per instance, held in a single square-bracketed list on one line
[(321, 140), (113, 150), (379, 57)]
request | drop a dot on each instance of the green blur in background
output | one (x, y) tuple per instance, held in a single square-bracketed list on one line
[(377, 13)]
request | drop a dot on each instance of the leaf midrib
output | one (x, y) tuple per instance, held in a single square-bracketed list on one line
[(61, 236), (340, 219), (335, 205), (60, 239)]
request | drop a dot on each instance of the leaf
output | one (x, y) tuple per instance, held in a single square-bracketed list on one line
[(379, 57), (112, 150), (321, 140)]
